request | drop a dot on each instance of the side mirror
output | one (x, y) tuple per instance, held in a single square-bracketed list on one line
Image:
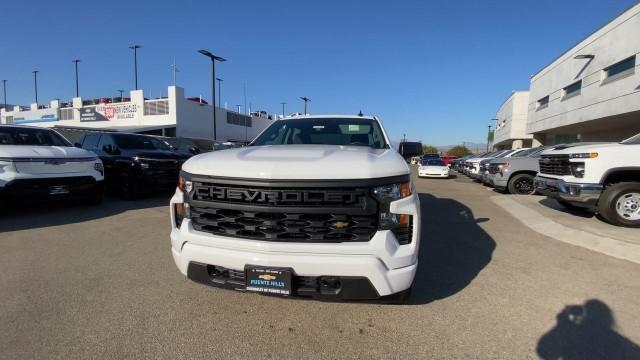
[(78, 145), (108, 149), (194, 150)]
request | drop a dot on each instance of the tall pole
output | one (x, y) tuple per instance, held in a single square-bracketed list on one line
[(76, 61), (135, 48), (4, 92), (306, 100), (35, 83), (175, 70), (219, 93), (213, 58), (120, 91), (238, 107), (488, 135), (283, 104)]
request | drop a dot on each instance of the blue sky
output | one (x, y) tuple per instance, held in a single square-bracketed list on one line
[(435, 70)]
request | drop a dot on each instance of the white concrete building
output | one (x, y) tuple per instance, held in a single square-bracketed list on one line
[(511, 124), (592, 91), (173, 115)]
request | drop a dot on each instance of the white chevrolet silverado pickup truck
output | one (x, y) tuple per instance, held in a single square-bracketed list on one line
[(316, 206), (604, 177)]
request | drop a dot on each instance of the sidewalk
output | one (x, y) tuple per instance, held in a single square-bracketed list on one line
[(576, 227)]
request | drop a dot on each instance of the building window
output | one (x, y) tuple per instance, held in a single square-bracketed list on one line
[(573, 89), (620, 69), (66, 114), (238, 119), (543, 103), (156, 107)]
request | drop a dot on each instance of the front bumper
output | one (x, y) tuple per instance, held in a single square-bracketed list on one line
[(43, 189), (381, 262), (498, 181), (585, 195), (434, 175)]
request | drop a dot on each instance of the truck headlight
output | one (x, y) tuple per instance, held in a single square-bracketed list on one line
[(182, 210), (590, 155), (400, 224), (99, 168), (577, 169)]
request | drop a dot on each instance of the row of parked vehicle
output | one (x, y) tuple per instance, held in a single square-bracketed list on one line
[(601, 177), (38, 163)]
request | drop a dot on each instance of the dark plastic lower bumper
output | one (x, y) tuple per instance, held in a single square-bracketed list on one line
[(45, 189), (316, 287)]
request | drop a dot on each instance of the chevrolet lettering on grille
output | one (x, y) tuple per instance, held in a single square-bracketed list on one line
[(278, 196)]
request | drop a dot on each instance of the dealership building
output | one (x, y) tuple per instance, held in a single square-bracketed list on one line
[(173, 115), (511, 123), (589, 93)]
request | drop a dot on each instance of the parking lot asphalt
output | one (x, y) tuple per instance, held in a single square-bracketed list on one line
[(99, 282)]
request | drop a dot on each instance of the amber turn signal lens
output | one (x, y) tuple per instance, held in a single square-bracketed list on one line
[(181, 183), (403, 219), (405, 189)]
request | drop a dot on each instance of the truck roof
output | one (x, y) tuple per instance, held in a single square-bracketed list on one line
[(330, 116)]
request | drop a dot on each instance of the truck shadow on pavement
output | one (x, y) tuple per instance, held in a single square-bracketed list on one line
[(553, 204), (586, 331), (37, 215), (453, 249)]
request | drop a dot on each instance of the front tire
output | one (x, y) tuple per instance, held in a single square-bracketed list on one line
[(521, 184), (619, 204)]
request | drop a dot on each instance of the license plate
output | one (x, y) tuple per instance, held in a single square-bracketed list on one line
[(267, 280), (58, 190)]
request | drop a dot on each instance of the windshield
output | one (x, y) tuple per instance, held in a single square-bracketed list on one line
[(33, 137), (430, 156), (331, 131), (635, 140), (524, 153), (140, 142), (433, 162)]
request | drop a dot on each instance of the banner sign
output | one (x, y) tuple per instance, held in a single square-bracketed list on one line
[(107, 112)]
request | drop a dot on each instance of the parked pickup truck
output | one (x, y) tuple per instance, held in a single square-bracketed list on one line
[(315, 206), (604, 177), (515, 174)]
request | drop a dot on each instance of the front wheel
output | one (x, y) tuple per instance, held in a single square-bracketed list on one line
[(620, 204), (521, 184)]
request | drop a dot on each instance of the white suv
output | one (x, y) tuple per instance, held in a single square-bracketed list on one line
[(315, 206), (40, 164)]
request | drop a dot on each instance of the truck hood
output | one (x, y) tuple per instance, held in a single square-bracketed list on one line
[(584, 148), (290, 162), (43, 152)]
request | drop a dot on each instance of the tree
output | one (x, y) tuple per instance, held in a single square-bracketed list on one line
[(458, 151), (428, 149)]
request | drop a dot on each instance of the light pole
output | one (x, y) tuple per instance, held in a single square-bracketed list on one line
[(121, 92), (219, 92), (306, 100), (135, 48), (4, 92), (213, 58), (238, 107), (488, 136), (35, 83), (76, 61), (283, 104)]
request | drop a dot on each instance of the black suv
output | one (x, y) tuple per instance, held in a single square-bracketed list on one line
[(134, 162)]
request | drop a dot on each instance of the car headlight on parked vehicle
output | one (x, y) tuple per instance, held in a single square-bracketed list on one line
[(181, 210), (577, 169), (99, 168), (400, 224), (590, 155), (140, 161), (503, 166)]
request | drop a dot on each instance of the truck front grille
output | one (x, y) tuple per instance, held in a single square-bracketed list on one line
[(555, 165), (493, 169), (284, 212), (284, 226)]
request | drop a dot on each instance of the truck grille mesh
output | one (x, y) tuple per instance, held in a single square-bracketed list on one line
[(284, 226), (555, 165)]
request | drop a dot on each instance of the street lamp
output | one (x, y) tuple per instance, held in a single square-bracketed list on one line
[(306, 100), (488, 136), (35, 82), (213, 58), (238, 107), (219, 92), (135, 48), (4, 92), (283, 104), (76, 61), (121, 92)]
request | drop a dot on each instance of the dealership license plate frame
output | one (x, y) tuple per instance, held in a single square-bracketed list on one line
[(274, 275)]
